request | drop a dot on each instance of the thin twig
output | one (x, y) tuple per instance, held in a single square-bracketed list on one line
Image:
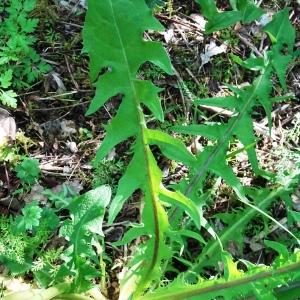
[(61, 107), (71, 75), (249, 44)]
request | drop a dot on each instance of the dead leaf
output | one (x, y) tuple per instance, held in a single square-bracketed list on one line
[(169, 35), (199, 20), (111, 155), (15, 285), (54, 82), (264, 19), (296, 200), (211, 50), (7, 127), (74, 7), (37, 194), (72, 147), (67, 127)]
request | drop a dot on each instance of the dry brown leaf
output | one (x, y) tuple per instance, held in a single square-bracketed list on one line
[(7, 127)]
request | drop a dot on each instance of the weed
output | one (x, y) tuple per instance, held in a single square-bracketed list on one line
[(169, 7), (223, 70), (28, 171), (18, 246), (152, 72), (227, 36), (108, 172), (20, 65), (163, 220), (9, 154), (61, 199), (198, 90), (171, 216), (85, 134)]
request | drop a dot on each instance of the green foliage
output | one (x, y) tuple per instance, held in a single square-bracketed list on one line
[(236, 223), (108, 172), (242, 103), (12, 247), (243, 10), (21, 238), (154, 3), (113, 69), (83, 231), (30, 217), (8, 98), (20, 65), (61, 199), (9, 154), (121, 77), (28, 171), (171, 216), (85, 134), (259, 281)]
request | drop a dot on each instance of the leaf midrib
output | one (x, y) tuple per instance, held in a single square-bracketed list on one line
[(143, 140)]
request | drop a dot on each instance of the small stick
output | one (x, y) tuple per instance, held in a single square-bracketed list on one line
[(71, 75), (249, 44)]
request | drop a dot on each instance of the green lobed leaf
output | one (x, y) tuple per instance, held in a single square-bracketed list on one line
[(282, 34), (113, 63), (29, 5), (29, 219), (231, 271), (28, 170), (114, 43), (87, 212), (8, 98), (117, 54), (5, 79), (280, 30), (244, 10), (130, 182)]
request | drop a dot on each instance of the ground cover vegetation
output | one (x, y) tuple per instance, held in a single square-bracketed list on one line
[(142, 161)]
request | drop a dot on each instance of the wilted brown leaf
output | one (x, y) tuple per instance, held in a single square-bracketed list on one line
[(7, 127)]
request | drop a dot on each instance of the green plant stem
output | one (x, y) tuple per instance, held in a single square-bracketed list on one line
[(42, 294), (153, 200), (52, 292), (72, 297), (218, 285), (24, 295)]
